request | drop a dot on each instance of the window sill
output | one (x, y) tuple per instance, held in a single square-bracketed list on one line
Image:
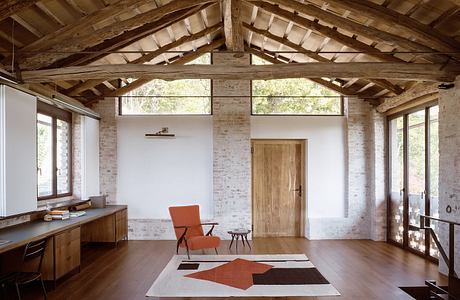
[(58, 202)]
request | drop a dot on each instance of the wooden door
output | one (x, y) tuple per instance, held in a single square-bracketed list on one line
[(277, 187)]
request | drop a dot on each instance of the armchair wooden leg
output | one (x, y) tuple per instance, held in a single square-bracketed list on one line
[(186, 247), (216, 251), (177, 248)]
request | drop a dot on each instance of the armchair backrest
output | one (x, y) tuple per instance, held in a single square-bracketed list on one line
[(186, 216)]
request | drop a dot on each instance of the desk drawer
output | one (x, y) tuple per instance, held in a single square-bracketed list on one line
[(67, 251), (121, 224)]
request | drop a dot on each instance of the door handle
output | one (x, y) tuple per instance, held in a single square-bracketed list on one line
[(299, 190)]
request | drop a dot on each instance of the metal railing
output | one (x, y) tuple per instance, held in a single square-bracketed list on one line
[(453, 291)]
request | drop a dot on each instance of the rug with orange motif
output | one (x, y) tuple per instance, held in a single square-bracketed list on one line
[(284, 275)]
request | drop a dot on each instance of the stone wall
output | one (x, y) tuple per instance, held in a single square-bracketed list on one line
[(449, 166), (231, 149)]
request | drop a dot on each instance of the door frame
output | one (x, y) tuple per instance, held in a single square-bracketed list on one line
[(404, 114), (303, 177)]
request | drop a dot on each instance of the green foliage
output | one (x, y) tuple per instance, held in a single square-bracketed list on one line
[(187, 96), (292, 96)]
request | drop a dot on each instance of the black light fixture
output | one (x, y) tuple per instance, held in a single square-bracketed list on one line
[(164, 132), (446, 86)]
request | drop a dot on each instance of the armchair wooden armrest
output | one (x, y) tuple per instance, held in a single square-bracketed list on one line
[(212, 228), (184, 226)]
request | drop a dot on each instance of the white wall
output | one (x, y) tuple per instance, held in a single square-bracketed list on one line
[(325, 163), (155, 173)]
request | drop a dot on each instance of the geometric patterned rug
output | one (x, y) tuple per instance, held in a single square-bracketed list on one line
[(279, 275)]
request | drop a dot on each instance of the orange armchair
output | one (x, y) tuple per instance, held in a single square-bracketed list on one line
[(189, 230)]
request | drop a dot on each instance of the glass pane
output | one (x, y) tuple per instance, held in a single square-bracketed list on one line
[(396, 179), (434, 173), (416, 165), (63, 157), (174, 97), (292, 96), (44, 155)]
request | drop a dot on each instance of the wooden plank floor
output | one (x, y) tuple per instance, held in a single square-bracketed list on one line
[(358, 269)]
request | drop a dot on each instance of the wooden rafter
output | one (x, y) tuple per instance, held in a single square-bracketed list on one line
[(148, 57), (325, 83), (400, 71), (327, 32), (10, 7), (417, 91), (126, 38), (82, 25), (424, 33), (82, 40), (232, 25), (284, 41), (359, 29)]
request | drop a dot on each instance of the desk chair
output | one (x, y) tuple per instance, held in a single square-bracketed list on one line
[(189, 230), (33, 251)]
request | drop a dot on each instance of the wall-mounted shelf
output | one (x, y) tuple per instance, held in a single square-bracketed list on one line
[(164, 132)]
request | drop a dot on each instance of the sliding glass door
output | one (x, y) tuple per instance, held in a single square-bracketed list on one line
[(413, 176)]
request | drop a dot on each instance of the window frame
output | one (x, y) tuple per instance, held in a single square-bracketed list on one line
[(405, 113), (66, 116)]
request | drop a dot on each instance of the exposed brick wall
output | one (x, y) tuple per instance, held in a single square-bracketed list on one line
[(449, 166), (107, 110), (231, 149), (76, 154), (378, 177)]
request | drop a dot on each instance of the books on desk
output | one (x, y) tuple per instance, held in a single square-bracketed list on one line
[(59, 214), (76, 214)]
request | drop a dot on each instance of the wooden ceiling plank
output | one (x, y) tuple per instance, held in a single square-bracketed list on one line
[(417, 91), (233, 30), (75, 43), (11, 7), (369, 70), (327, 32), (444, 17), (82, 25), (49, 13), (126, 39), (359, 29), (27, 26), (424, 33), (146, 58)]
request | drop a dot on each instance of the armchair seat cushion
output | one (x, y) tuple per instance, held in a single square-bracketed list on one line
[(203, 242)]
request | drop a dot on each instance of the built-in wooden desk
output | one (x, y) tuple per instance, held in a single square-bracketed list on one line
[(109, 224)]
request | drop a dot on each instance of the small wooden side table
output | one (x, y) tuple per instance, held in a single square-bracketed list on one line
[(236, 235)]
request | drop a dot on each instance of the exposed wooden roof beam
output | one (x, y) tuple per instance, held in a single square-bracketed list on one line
[(327, 32), (233, 30), (126, 38), (419, 90), (148, 57), (284, 41), (10, 7), (83, 39), (400, 71), (424, 33), (358, 29), (179, 62), (320, 81), (82, 25)]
